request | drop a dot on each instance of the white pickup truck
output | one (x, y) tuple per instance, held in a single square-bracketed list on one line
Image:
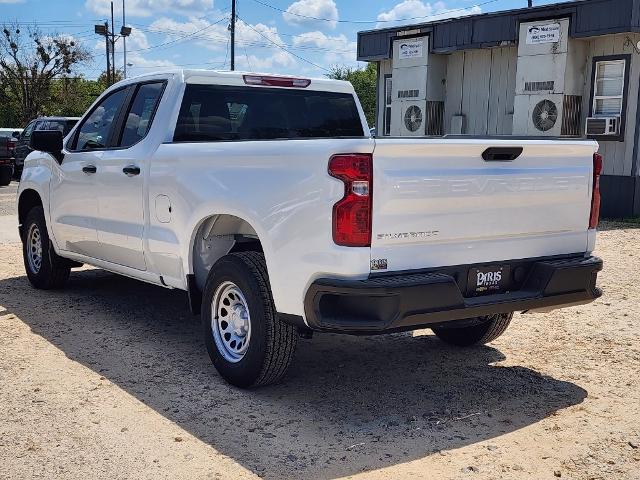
[(267, 200)]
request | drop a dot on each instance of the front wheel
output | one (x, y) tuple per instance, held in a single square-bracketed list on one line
[(45, 269), (248, 343), (489, 328)]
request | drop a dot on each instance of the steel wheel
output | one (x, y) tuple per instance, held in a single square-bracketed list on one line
[(34, 248), (230, 322)]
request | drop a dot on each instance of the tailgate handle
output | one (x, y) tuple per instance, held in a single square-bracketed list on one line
[(501, 154)]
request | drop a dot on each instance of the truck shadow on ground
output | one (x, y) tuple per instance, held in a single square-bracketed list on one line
[(348, 404)]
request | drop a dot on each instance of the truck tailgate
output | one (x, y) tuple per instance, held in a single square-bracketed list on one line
[(437, 202)]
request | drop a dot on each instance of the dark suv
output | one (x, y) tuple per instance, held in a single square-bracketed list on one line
[(64, 124), (8, 140)]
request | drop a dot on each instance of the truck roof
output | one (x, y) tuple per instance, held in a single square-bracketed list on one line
[(237, 78)]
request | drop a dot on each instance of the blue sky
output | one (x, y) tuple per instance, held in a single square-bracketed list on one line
[(273, 35)]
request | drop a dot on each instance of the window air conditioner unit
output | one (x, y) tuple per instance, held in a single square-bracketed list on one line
[(603, 126)]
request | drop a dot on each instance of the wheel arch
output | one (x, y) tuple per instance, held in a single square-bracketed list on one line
[(29, 198), (217, 235)]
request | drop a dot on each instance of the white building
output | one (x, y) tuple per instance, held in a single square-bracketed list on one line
[(561, 70)]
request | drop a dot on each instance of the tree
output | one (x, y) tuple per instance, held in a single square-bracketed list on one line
[(102, 79), (30, 66), (364, 82)]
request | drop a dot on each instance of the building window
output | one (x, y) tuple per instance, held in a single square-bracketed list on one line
[(608, 88), (387, 104)]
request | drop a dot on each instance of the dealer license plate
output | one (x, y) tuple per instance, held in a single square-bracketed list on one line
[(487, 280)]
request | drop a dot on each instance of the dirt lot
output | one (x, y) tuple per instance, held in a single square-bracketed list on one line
[(109, 379)]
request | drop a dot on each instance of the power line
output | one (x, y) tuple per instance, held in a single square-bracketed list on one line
[(178, 39), (247, 43), (284, 49), (372, 21)]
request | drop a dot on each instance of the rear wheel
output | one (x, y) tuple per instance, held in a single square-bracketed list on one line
[(248, 343), (489, 328), (45, 269)]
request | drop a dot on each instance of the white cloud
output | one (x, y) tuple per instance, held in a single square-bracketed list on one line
[(339, 48), (265, 39), (413, 11), (250, 39), (12, 1), (147, 8), (298, 12), (205, 33)]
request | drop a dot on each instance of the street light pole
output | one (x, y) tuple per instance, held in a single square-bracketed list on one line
[(113, 47), (124, 41), (110, 41), (103, 30)]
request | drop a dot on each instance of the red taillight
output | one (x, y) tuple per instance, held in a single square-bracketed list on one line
[(11, 144), (276, 81), (594, 217), (352, 214)]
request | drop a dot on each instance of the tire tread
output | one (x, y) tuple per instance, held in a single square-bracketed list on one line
[(491, 328), (281, 348), (56, 269)]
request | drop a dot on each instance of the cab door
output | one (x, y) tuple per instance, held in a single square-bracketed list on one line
[(74, 200), (120, 180)]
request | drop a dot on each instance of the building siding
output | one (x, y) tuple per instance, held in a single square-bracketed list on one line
[(481, 86)]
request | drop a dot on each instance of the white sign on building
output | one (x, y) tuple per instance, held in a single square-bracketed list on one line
[(548, 33), (411, 49)]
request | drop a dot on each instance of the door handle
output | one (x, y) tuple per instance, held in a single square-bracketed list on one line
[(131, 170), (89, 169), (501, 154)]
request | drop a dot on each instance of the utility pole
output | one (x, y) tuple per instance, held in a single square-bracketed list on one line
[(233, 35)]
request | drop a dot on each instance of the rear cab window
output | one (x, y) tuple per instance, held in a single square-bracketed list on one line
[(141, 111), (212, 113)]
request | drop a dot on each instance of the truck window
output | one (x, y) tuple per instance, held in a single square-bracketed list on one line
[(96, 128), (217, 113), (141, 113), (64, 126), (26, 133)]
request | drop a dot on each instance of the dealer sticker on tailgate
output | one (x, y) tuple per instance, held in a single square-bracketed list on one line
[(490, 279)]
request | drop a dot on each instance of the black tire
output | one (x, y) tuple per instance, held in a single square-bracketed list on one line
[(491, 328), (5, 176), (271, 343), (53, 271)]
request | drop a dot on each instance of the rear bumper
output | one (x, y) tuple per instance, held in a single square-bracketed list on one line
[(412, 300)]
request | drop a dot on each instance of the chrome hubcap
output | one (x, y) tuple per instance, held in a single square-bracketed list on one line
[(230, 322), (34, 248)]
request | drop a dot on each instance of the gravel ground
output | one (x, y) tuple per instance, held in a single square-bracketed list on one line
[(109, 379)]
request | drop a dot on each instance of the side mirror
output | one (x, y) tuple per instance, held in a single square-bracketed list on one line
[(49, 141), (16, 134)]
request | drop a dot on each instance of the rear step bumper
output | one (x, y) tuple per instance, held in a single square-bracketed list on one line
[(412, 300)]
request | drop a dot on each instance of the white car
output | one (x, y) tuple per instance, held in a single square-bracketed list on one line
[(267, 200)]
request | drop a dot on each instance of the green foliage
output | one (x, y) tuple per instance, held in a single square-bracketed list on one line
[(364, 83)]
